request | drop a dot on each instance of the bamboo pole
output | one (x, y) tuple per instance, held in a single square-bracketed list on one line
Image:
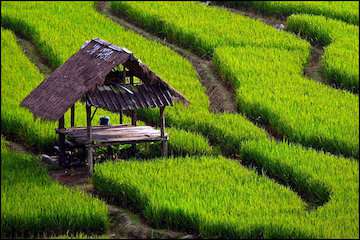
[(164, 147), (133, 123), (62, 142), (72, 121), (121, 117), (89, 134)]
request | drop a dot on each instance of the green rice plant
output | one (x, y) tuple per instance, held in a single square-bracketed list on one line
[(277, 94), (31, 203), (340, 63), (58, 37), (210, 195), (19, 73), (173, 21), (21, 76), (347, 11), (182, 142), (324, 174), (185, 193), (319, 125)]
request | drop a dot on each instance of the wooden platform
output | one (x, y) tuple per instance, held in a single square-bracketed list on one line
[(119, 134)]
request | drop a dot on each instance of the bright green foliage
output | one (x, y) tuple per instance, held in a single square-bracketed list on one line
[(347, 11), (211, 195), (60, 36), (187, 143), (322, 125), (323, 174), (305, 111), (19, 78), (209, 28), (340, 62), (15, 85), (32, 203), (214, 196), (194, 199)]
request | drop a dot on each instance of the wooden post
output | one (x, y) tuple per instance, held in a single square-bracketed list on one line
[(89, 135), (72, 121), (62, 142), (164, 147), (133, 118), (133, 123), (121, 117)]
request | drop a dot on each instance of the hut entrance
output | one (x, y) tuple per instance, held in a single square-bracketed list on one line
[(106, 76)]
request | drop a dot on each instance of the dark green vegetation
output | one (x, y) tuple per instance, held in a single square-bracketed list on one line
[(31, 203)]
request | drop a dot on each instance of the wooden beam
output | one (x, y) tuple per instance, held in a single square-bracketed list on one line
[(164, 148), (89, 135), (62, 142), (72, 120)]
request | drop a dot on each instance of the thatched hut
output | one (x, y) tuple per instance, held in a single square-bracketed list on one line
[(89, 76)]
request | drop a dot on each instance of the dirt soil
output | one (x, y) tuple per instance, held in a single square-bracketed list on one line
[(313, 68), (34, 55), (221, 95)]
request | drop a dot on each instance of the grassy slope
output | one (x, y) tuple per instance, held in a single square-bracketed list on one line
[(215, 133), (32, 203), (185, 193), (192, 31), (347, 11), (58, 37), (19, 73), (338, 218), (194, 199), (306, 111), (340, 62), (160, 17)]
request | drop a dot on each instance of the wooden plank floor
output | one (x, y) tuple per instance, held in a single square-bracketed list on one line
[(113, 134)]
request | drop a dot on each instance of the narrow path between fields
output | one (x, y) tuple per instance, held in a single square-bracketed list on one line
[(205, 70), (221, 96), (34, 55), (313, 68), (123, 223)]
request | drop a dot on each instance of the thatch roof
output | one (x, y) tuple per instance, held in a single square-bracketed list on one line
[(122, 97), (82, 74)]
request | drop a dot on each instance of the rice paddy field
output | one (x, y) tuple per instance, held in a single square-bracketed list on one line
[(282, 164)]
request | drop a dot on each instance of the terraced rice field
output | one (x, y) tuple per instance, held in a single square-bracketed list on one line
[(284, 165)]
